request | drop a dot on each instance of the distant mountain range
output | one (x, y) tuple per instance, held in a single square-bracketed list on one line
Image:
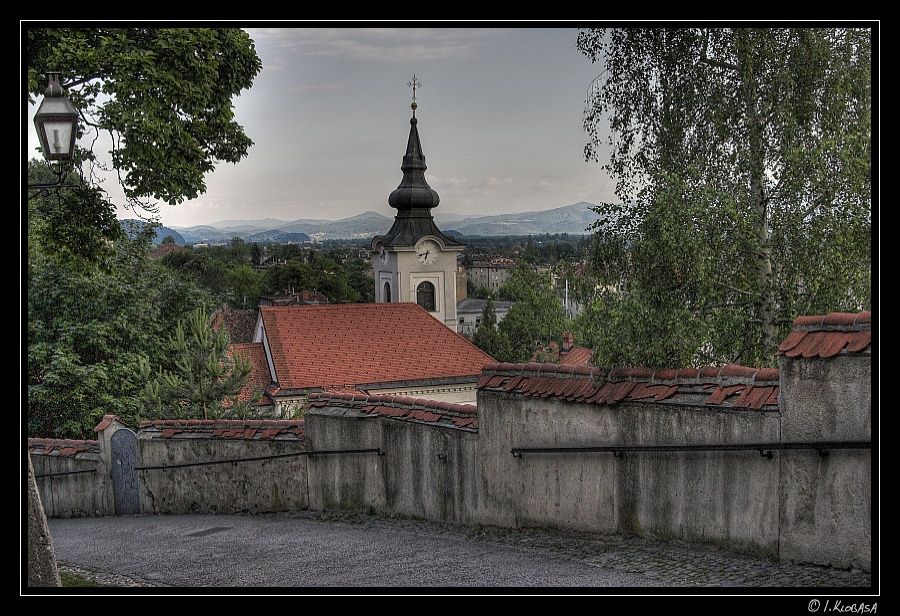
[(133, 227), (573, 219)]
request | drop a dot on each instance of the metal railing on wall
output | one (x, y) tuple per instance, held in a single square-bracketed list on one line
[(324, 452), (91, 470), (764, 449)]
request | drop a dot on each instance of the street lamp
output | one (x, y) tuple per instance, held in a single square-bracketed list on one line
[(56, 122)]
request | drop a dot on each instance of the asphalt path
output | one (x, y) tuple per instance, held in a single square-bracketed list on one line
[(307, 550)]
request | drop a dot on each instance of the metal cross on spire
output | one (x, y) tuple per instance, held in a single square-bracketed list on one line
[(414, 83)]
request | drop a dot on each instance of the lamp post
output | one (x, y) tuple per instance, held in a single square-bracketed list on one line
[(56, 122)]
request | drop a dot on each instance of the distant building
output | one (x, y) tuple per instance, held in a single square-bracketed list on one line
[(567, 355), (491, 274), (166, 249), (469, 311), (300, 298), (462, 290)]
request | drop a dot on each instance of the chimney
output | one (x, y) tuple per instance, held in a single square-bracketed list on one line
[(568, 342)]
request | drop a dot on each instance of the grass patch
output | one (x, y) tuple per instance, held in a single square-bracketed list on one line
[(70, 580)]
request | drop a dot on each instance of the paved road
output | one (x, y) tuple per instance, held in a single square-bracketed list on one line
[(311, 549), (301, 550)]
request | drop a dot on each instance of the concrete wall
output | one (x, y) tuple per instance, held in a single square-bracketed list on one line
[(794, 505), (826, 502), (472, 478), (73, 496), (249, 487), (729, 497), (425, 472)]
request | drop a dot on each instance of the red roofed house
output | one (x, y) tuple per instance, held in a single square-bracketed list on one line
[(260, 377), (384, 348)]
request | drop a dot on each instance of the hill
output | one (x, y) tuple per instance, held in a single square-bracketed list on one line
[(133, 227)]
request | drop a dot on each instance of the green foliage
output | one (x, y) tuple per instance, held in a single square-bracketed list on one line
[(477, 291), (91, 329), (71, 580), (339, 282), (164, 94), (201, 376), (291, 276), (742, 162), (245, 284), (536, 318), (76, 224), (487, 338)]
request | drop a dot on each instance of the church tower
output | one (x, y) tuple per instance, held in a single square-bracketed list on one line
[(414, 261)]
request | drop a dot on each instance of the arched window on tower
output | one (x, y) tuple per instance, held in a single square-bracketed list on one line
[(387, 292), (425, 296)]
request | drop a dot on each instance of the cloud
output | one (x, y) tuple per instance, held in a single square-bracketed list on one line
[(317, 87), (458, 183), (444, 182), (378, 44), (493, 182), (544, 185)]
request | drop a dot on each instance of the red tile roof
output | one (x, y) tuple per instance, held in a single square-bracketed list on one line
[(165, 249), (577, 356), (728, 386), (403, 408), (67, 448), (836, 333), (357, 344), (238, 324), (104, 423), (259, 378), (244, 429)]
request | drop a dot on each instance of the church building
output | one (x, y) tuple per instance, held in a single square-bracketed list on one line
[(415, 262)]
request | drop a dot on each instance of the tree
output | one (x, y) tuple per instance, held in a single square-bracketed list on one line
[(487, 338), (245, 284), (476, 291), (202, 375), (76, 225), (164, 97), (742, 162), (168, 240), (255, 254), (536, 318), (238, 251), (91, 329)]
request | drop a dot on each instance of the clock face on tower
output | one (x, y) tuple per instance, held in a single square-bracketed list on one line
[(427, 252)]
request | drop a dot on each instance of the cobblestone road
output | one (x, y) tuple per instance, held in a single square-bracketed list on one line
[(313, 549)]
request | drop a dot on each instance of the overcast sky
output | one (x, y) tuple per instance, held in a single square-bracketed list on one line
[(500, 119)]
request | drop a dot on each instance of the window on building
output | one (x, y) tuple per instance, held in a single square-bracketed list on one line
[(387, 292), (425, 296)]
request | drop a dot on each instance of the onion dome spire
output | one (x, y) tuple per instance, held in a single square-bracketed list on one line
[(413, 191)]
